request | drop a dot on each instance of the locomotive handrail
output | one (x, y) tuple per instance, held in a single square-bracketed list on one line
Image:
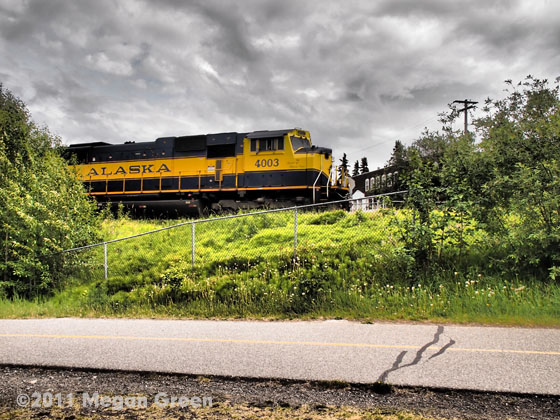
[(318, 176)]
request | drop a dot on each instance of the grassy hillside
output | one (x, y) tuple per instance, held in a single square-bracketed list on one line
[(348, 265)]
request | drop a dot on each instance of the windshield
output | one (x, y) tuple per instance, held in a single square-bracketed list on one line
[(298, 143)]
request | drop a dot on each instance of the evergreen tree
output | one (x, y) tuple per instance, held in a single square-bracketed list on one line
[(399, 163), (356, 170), (398, 156), (364, 166), (343, 168)]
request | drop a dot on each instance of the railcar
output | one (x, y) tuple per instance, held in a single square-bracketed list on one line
[(199, 173)]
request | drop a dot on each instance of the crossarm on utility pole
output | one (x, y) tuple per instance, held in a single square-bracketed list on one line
[(467, 105)]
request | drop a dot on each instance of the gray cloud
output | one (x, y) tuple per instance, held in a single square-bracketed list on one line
[(359, 75)]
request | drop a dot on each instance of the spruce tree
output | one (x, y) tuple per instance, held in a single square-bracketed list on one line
[(343, 166), (398, 156), (364, 166), (356, 170)]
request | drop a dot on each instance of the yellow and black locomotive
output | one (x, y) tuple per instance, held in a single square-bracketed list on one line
[(212, 171)]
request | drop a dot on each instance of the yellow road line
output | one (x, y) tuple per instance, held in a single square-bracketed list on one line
[(292, 343)]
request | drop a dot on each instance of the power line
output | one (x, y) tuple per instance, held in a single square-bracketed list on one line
[(387, 140)]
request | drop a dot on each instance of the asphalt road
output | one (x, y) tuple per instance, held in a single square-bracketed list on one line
[(525, 360)]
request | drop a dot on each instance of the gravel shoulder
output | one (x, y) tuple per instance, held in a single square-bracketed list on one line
[(248, 398)]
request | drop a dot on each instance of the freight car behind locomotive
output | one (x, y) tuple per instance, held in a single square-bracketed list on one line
[(198, 173)]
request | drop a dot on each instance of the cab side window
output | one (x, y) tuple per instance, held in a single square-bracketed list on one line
[(267, 145)]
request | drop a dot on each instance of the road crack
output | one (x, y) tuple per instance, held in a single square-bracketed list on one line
[(397, 364)]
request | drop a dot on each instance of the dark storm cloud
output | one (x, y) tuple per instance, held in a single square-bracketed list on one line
[(42, 17), (450, 10), (358, 74), (225, 26), (232, 31), (496, 35), (45, 90)]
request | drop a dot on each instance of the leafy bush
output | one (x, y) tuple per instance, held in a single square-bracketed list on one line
[(513, 174), (43, 207)]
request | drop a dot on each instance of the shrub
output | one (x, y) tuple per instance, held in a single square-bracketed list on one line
[(43, 206)]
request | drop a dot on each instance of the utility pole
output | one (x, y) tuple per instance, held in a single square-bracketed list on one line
[(467, 105)]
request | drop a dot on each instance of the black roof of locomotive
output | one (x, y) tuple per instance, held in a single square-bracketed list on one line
[(126, 145), (268, 133), (162, 141)]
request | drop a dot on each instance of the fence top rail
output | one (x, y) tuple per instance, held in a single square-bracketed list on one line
[(231, 216)]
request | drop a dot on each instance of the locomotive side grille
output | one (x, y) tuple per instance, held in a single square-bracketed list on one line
[(190, 143)]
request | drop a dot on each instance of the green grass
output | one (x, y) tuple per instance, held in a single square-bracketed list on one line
[(351, 266)]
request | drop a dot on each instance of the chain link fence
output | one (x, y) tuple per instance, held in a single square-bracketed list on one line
[(238, 242)]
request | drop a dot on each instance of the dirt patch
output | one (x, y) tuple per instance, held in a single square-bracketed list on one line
[(245, 398)]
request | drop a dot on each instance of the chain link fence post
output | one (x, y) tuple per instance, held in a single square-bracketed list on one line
[(6, 258), (192, 244), (105, 262), (295, 234)]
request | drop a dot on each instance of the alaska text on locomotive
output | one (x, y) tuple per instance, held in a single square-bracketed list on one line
[(132, 169)]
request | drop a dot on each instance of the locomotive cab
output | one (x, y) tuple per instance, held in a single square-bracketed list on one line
[(287, 159)]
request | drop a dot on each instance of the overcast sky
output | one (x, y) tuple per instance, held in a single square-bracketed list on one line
[(357, 74)]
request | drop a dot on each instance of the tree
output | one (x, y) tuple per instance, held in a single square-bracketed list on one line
[(343, 168), (43, 206), (356, 170), (364, 166), (398, 156), (432, 144), (520, 149), (400, 164), (509, 181), (522, 129)]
